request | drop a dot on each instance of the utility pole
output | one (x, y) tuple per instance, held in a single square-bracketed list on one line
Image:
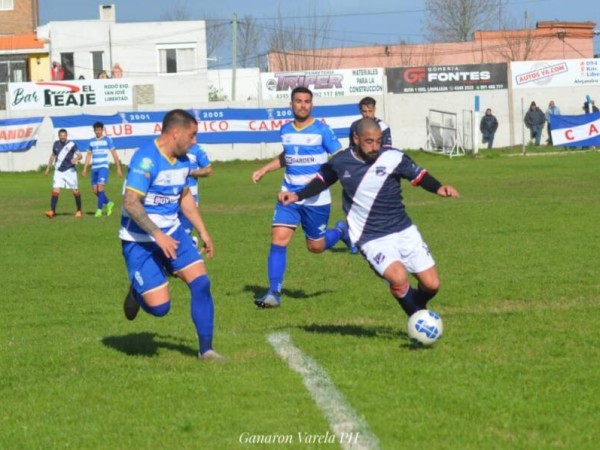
[(233, 54)]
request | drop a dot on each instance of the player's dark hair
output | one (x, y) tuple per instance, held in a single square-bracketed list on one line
[(62, 130), (98, 125), (366, 124), (367, 101), (301, 90), (177, 118)]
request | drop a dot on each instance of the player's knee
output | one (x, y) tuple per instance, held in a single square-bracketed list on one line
[(160, 310), (432, 285), (315, 246)]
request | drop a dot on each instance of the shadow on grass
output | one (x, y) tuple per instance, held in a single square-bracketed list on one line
[(259, 291), (146, 344), (355, 330)]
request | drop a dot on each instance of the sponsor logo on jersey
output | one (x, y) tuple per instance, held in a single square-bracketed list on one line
[(146, 164)]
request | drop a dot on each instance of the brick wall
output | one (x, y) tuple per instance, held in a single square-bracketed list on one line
[(21, 20)]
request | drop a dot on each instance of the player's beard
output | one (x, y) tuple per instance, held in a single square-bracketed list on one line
[(369, 158)]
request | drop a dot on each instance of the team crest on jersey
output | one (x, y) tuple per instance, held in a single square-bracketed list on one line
[(379, 258), (146, 164), (380, 171)]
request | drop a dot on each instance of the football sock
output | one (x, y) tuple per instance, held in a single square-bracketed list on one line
[(78, 201), (158, 311), (405, 296), (102, 199), (422, 297), (53, 202), (276, 264), (332, 236), (203, 311)]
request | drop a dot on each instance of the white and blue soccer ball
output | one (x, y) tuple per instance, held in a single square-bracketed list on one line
[(425, 327)]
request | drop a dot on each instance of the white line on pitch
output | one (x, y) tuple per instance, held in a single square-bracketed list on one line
[(351, 431)]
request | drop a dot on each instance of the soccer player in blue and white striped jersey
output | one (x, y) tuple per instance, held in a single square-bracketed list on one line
[(372, 201), (153, 241), (307, 144), (98, 150)]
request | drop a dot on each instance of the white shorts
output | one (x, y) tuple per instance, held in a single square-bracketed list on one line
[(407, 246), (65, 180)]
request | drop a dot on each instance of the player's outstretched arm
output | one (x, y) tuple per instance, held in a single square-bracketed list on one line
[(447, 191), (276, 163), (190, 210), (86, 163), (50, 162), (117, 161)]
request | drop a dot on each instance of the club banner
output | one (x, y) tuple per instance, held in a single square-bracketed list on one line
[(69, 94), (460, 78), (18, 135), (576, 131), (323, 83), (215, 126), (549, 74)]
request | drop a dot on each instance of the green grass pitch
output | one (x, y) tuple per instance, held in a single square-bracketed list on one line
[(517, 367)]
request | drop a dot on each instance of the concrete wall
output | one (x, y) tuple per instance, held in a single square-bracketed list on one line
[(405, 113)]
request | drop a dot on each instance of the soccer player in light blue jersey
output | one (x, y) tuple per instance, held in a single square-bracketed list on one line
[(98, 150), (200, 168), (307, 144), (372, 201), (153, 241)]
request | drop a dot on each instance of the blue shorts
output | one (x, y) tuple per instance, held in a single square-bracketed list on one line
[(313, 218), (148, 267), (100, 176)]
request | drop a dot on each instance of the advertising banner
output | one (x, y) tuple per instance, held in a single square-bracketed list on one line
[(323, 83), (545, 74), (17, 135), (216, 126), (459, 78), (69, 94)]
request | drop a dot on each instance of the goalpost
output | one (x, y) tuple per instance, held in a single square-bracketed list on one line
[(442, 133)]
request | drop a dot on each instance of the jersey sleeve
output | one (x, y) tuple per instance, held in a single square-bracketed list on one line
[(142, 171), (386, 138), (330, 140), (203, 159), (328, 174), (409, 170), (110, 143)]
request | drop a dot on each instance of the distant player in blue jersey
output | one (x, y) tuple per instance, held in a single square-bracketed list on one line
[(200, 168), (64, 157), (378, 223), (98, 150), (154, 242), (307, 144), (367, 110)]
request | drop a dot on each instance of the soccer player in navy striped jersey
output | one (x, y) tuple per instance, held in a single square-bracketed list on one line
[(307, 144), (377, 220), (98, 150), (367, 110), (153, 241)]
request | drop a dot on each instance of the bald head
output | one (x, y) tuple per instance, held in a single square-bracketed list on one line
[(366, 124)]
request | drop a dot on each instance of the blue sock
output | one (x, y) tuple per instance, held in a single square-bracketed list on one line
[(158, 311), (203, 312), (99, 202), (332, 237), (103, 198), (276, 264), (53, 202), (406, 299), (422, 297)]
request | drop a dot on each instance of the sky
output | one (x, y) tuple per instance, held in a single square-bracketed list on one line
[(351, 22)]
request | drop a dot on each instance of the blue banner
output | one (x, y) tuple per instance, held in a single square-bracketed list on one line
[(18, 135), (576, 131), (215, 126)]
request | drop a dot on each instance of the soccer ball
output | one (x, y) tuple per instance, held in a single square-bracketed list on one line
[(425, 327)]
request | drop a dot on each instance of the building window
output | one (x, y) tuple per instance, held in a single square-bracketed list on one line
[(176, 58), (7, 5), (13, 69), (67, 62), (97, 63)]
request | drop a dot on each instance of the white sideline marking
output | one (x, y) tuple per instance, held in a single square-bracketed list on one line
[(351, 431)]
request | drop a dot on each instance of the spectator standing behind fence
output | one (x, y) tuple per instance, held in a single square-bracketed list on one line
[(488, 127), (534, 120), (552, 110)]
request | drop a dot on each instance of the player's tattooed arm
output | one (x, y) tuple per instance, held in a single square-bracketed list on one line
[(132, 203)]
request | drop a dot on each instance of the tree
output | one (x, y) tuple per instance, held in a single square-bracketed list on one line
[(249, 40), (295, 44), (456, 20), (519, 44)]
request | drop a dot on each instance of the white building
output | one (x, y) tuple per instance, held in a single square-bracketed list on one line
[(167, 60)]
